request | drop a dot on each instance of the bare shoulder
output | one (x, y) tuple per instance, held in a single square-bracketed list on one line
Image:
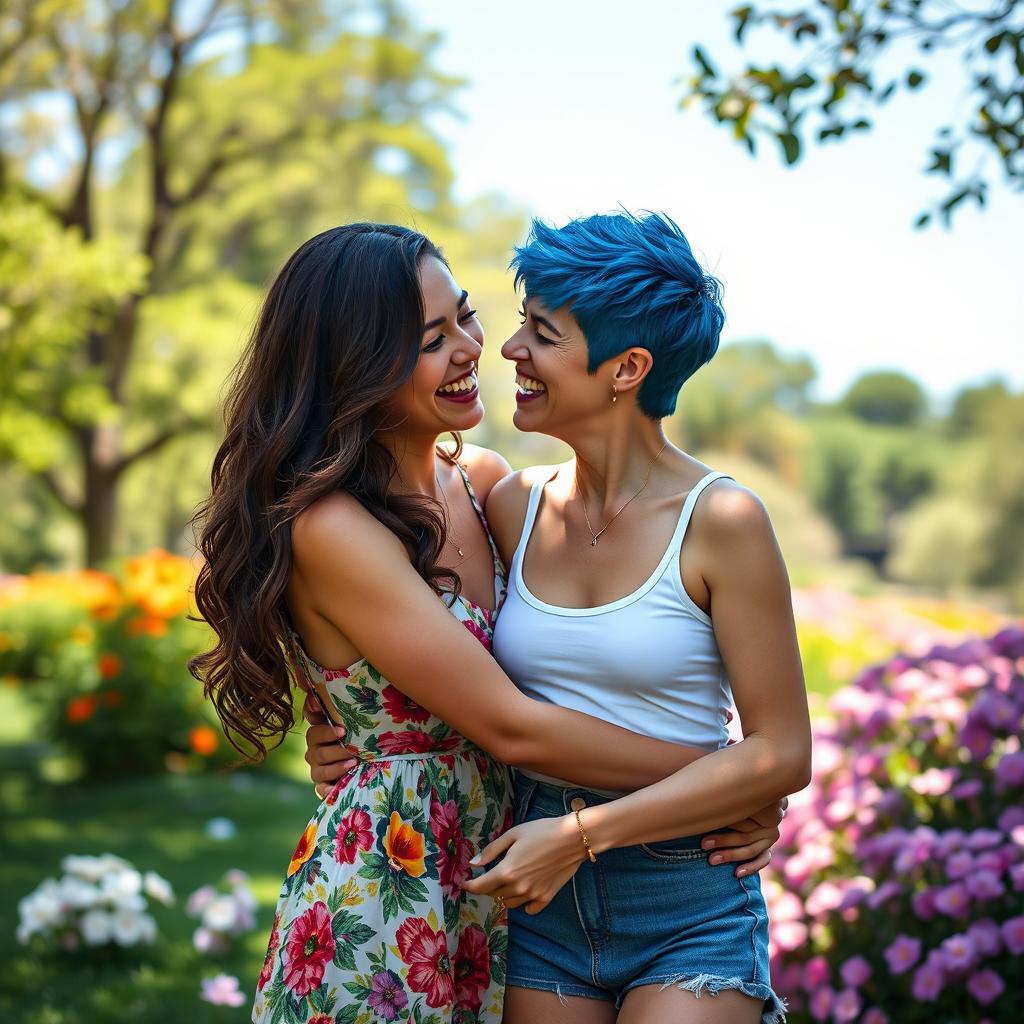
[(336, 530), (506, 506), (737, 541), (729, 511), (485, 467)]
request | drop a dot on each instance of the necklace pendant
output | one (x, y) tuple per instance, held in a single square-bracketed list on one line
[(593, 543)]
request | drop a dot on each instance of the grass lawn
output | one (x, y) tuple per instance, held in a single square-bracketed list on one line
[(156, 823)]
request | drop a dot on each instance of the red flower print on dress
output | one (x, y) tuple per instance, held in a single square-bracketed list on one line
[(414, 741), (308, 951), (481, 634), (401, 708), (355, 833), (425, 951), (472, 968), (454, 849), (272, 947)]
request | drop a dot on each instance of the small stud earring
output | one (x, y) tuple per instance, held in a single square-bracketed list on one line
[(615, 394)]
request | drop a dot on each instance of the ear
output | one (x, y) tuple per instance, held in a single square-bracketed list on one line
[(631, 368)]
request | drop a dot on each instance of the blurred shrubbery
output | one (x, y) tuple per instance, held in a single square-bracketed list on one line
[(102, 657)]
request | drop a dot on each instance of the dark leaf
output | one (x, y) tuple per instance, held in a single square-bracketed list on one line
[(923, 220), (994, 42), (741, 16), (790, 146), (705, 65), (942, 162), (914, 79)]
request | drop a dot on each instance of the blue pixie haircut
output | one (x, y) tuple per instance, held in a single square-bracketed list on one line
[(629, 281)]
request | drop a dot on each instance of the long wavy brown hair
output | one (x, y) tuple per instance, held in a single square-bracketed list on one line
[(339, 333)]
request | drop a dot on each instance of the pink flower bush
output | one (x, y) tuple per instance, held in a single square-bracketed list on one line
[(901, 868)]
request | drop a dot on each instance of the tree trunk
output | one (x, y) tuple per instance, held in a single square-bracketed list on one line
[(99, 511)]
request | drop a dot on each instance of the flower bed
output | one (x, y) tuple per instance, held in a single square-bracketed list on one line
[(901, 868), (102, 656)]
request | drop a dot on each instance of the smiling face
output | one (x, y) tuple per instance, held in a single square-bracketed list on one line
[(554, 389), (442, 393)]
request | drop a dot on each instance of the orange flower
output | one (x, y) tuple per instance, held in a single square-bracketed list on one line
[(110, 666), (80, 709), (146, 625), (159, 582), (404, 847), (203, 740), (307, 844)]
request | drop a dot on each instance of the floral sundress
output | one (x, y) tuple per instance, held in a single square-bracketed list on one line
[(372, 923)]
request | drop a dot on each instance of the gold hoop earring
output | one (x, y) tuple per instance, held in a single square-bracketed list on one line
[(615, 394)]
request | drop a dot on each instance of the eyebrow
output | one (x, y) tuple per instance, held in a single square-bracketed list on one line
[(548, 324), (440, 320)]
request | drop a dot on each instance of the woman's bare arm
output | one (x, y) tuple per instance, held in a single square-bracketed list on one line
[(753, 623), (359, 578)]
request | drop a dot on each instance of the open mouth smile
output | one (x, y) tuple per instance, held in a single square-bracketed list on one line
[(464, 389), (528, 389)]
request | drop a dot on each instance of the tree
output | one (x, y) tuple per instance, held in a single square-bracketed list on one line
[(886, 397), (204, 140), (746, 400), (845, 51), (971, 404)]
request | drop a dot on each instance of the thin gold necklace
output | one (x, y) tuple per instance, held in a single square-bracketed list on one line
[(448, 512), (586, 514)]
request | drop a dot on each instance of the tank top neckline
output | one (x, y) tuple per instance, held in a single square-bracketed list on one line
[(674, 545), (488, 613)]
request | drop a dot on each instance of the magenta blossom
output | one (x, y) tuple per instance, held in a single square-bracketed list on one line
[(928, 982), (902, 954), (986, 986), (846, 1007), (821, 1003), (1012, 931), (953, 900), (959, 953), (855, 972)]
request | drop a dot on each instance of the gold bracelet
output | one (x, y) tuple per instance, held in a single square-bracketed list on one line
[(583, 836)]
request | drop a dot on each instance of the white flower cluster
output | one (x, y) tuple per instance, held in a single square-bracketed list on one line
[(100, 901), (225, 912)]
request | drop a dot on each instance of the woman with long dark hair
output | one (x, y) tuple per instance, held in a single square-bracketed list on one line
[(338, 533)]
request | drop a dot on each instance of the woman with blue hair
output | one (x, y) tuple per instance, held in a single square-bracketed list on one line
[(645, 589)]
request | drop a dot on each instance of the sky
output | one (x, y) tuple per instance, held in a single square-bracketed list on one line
[(571, 107)]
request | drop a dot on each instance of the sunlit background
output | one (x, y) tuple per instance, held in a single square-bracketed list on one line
[(160, 160)]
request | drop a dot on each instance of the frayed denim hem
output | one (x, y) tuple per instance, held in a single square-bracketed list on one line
[(774, 1007)]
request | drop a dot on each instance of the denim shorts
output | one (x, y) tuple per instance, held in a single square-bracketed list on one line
[(654, 914)]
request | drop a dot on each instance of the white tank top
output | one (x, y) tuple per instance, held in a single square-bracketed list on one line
[(648, 662)]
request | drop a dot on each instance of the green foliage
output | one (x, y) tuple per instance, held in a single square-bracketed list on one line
[(888, 397), (745, 401), (861, 474), (157, 822), (970, 534), (55, 288), (227, 135), (971, 406), (840, 71)]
